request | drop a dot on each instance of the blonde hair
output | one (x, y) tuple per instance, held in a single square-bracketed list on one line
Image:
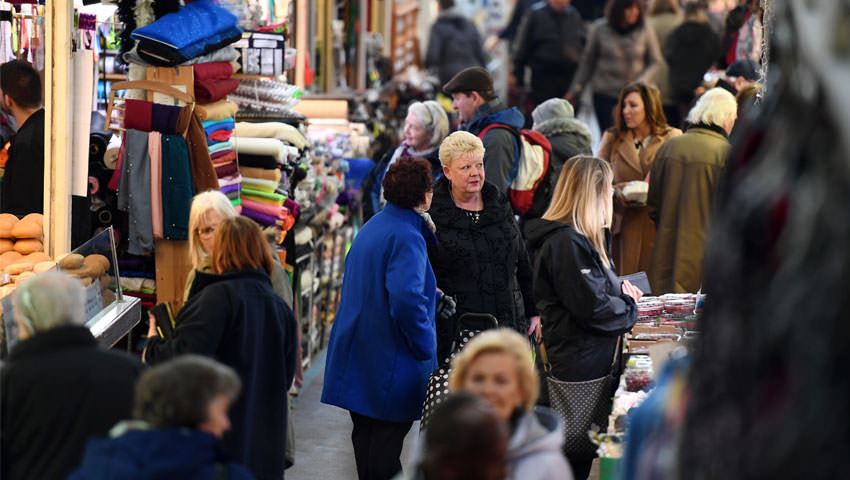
[(433, 118), (714, 107), (500, 341), (459, 144), (202, 204), (583, 200)]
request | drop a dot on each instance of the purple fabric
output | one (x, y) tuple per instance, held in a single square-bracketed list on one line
[(230, 188), (292, 206), (164, 118), (261, 218)]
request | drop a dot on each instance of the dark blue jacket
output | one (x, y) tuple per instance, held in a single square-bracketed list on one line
[(183, 454), (383, 342), (240, 321), (501, 145)]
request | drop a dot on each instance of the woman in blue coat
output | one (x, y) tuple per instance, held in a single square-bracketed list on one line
[(383, 343)]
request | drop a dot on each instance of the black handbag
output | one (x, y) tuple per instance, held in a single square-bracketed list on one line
[(468, 326), (581, 405)]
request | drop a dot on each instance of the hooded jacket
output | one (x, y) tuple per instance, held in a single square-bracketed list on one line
[(501, 145), (583, 310), (453, 45), (484, 266), (239, 321), (534, 450), (158, 455), (568, 137)]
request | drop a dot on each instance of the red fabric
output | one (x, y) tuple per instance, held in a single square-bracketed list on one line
[(229, 157), (116, 175), (211, 91), (221, 135), (226, 170), (222, 153), (138, 115), (213, 71)]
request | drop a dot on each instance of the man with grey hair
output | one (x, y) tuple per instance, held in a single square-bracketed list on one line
[(682, 183), (58, 387)]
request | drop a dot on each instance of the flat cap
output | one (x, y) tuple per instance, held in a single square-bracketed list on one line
[(472, 79)]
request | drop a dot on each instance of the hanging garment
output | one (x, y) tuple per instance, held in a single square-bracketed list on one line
[(177, 188), (134, 191), (154, 117), (155, 153), (201, 166)]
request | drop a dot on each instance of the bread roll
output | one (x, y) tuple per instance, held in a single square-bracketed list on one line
[(36, 258), (9, 258), (43, 266), (98, 263), (29, 246), (27, 229), (82, 272), (6, 245), (34, 217), (6, 290), (18, 268), (86, 281), (7, 223), (72, 261)]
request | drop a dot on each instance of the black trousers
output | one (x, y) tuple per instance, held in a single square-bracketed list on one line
[(377, 446), (604, 106)]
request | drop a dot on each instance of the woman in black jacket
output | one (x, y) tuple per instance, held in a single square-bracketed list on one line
[(480, 259), (240, 322), (585, 307)]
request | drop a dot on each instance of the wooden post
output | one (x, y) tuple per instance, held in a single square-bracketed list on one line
[(57, 127)]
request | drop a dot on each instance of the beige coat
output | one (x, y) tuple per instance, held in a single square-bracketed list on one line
[(634, 232), (681, 193), (662, 25)]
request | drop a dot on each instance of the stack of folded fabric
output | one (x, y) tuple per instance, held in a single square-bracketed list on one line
[(138, 278), (260, 199), (218, 126)]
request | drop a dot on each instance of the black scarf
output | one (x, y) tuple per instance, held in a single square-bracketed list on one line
[(713, 128)]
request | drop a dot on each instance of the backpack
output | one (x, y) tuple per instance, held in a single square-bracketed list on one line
[(529, 173)]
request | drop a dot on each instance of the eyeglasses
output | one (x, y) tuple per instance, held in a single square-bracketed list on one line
[(206, 231)]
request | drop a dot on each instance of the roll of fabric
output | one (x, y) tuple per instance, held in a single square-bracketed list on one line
[(219, 110), (227, 157), (259, 185), (258, 217), (226, 170), (257, 161), (212, 126), (213, 91), (280, 131), (270, 147), (250, 192), (260, 173), (263, 208)]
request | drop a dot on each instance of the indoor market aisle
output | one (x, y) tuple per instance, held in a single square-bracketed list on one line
[(323, 434)]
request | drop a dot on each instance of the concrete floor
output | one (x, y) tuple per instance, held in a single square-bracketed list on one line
[(323, 435)]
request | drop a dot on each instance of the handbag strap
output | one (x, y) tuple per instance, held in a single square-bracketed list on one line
[(547, 367)]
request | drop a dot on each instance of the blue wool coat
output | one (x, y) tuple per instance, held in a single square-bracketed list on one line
[(383, 342)]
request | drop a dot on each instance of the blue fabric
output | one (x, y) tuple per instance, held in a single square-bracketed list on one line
[(191, 29), (212, 127), (177, 188), (383, 342), (156, 454)]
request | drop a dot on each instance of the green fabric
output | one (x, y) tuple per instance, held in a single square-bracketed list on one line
[(250, 192)]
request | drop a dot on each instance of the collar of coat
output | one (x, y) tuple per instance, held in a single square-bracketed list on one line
[(564, 126), (630, 154), (410, 216), (446, 214), (709, 127), (259, 274), (59, 338)]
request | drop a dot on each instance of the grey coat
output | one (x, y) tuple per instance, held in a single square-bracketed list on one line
[(612, 60), (534, 450), (453, 45)]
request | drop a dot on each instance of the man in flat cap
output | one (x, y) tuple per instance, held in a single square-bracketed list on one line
[(474, 98)]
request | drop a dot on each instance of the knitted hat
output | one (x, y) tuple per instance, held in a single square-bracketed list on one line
[(472, 79), (552, 109)]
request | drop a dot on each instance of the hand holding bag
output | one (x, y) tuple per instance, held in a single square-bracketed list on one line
[(581, 404)]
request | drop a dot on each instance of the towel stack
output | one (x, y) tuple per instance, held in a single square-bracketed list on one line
[(213, 83), (263, 149)]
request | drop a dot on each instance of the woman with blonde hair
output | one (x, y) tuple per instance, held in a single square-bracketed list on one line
[(239, 321), (640, 129), (584, 306), (497, 366)]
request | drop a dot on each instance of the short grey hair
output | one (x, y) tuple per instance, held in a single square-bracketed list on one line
[(178, 393), (433, 117), (49, 300), (714, 107)]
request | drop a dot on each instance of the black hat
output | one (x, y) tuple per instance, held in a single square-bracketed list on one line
[(743, 68), (472, 79)]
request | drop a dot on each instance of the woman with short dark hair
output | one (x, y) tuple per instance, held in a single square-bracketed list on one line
[(382, 346), (238, 320), (180, 408)]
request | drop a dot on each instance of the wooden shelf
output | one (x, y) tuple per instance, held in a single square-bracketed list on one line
[(116, 77)]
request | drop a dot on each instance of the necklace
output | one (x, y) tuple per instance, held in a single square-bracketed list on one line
[(474, 216)]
